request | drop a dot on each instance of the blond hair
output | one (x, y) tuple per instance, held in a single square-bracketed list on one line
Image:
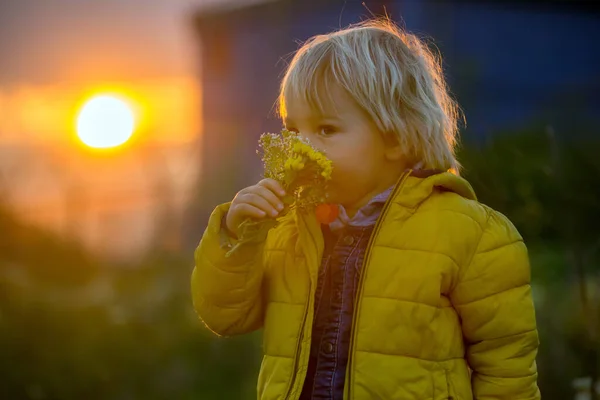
[(392, 75)]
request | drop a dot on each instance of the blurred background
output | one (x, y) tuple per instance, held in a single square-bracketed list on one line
[(124, 122)]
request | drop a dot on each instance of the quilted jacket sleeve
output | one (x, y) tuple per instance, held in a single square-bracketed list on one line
[(493, 299), (226, 292)]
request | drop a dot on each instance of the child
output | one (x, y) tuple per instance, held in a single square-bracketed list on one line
[(416, 291)]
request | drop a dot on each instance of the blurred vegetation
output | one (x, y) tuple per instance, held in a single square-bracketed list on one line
[(74, 327), (549, 186)]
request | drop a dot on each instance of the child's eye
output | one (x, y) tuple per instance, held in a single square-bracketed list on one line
[(327, 130)]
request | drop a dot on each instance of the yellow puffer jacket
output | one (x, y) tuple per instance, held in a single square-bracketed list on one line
[(443, 309)]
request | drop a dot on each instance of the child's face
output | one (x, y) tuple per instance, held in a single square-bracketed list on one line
[(363, 165)]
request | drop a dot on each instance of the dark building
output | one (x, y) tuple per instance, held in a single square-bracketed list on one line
[(509, 64)]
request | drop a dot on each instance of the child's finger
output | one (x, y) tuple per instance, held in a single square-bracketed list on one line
[(273, 185), (259, 202), (249, 210), (268, 195)]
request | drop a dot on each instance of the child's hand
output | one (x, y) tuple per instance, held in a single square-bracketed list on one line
[(256, 201)]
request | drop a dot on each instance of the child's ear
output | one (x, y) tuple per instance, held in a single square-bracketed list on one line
[(393, 150)]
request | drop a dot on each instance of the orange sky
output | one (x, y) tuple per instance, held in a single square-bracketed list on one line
[(44, 42), (170, 110), (50, 41), (55, 55)]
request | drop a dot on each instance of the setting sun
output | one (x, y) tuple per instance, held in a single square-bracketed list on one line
[(105, 121)]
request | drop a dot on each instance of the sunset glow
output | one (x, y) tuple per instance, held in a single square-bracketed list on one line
[(104, 122)]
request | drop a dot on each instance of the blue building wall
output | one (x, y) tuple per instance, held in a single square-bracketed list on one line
[(507, 64), (523, 64)]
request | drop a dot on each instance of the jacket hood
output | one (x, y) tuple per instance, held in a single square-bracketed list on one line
[(421, 184)]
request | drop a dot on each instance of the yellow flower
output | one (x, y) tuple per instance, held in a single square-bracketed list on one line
[(297, 147), (295, 163), (291, 160)]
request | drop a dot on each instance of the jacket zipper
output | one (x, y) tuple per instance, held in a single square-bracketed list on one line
[(449, 388), (366, 262)]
